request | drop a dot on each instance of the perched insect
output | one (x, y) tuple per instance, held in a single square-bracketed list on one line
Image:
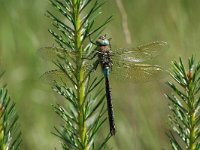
[(124, 62)]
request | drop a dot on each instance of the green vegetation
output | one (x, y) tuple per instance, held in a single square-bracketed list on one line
[(141, 112), (10, 136), (184, 104), (84, 115)]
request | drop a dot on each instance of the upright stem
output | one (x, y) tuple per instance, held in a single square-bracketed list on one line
[(80, 77), (192, 117)]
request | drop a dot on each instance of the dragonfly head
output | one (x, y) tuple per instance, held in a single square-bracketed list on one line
[(102, 41)]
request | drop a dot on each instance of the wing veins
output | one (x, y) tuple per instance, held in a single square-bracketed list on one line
[(140, 53)]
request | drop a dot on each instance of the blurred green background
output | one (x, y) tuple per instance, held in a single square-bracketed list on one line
[(140, 109)]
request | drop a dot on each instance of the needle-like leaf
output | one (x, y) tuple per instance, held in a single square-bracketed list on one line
[(184, 104), (83, 114)]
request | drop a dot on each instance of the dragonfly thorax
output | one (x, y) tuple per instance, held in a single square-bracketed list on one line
[(103, 52), (105, 59)]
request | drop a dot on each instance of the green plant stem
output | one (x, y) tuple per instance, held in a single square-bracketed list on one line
[(192, 118), (70, 59), (81, 87)]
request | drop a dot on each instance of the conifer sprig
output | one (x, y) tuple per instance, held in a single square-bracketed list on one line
[(184, 105), (74, 78), (10, 136)]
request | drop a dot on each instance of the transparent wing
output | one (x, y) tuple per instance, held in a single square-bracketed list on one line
[(55, 77), (136, 72), (140, 53), (54, 53), (62, 56)]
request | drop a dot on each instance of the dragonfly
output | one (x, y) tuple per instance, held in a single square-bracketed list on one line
[(124, 62)]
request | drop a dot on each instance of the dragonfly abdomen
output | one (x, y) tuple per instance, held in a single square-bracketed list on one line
[(110, 107), (106, 71)]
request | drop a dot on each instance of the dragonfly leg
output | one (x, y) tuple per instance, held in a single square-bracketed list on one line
[(90, 58), (95, 65), (110, 42), (91, 40)]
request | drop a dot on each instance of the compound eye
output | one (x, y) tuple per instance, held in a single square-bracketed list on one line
[(102, 42), (105, 42)]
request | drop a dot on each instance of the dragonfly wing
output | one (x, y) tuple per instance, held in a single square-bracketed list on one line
[(54, 53), (55, 77), (61, 77), (140, 53), (60, 55), (137, 72)]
